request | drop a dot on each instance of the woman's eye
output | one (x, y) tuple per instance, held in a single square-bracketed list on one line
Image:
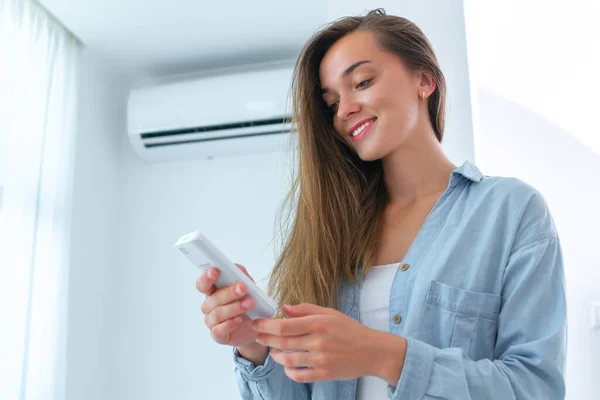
[(333, 107), (363, 84)]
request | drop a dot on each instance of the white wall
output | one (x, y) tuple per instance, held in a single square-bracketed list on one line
[(101, 123), (536, 100), (161, 347)]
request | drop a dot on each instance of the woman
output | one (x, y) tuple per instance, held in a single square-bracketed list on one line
[(410, 277)]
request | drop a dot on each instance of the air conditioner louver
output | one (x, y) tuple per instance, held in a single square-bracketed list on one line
[(237, 130)]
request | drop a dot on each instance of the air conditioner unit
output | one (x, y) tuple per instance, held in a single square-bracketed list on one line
[(224, 115)]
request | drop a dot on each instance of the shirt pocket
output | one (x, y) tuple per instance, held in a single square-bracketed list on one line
[(458, 318)]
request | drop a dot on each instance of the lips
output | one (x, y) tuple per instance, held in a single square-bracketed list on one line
[(360, 129), (359, 124)]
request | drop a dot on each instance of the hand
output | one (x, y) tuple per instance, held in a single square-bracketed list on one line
[(331, 344), (225, 308)]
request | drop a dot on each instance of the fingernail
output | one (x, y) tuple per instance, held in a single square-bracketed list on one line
[(246, 304), (237, 319), (210, 274), (238, 290)]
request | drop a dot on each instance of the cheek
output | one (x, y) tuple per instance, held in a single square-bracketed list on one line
[(400, 111), (390, 97), (384, 102), (393, 100)]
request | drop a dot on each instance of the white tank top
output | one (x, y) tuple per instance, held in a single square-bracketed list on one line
[(375, 314)]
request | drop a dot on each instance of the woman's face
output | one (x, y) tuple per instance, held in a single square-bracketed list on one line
[(373, 98)]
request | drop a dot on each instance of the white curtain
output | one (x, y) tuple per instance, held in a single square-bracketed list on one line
[(38, 77)]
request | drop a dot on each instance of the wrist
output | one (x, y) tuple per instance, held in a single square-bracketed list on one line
[(252, 345), (389, 356), (255, 353)]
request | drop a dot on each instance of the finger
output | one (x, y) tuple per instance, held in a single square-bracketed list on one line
[(228, 311), (221, 333), (223, 296), (206, 282), (294, 359), (305, 375), (285, 342), (305, 309), (287, 327)]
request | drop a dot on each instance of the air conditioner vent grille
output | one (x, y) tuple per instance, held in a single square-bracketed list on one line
[(216, 128), (208, 139)]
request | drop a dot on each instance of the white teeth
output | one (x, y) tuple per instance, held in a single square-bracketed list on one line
[(360, 128)]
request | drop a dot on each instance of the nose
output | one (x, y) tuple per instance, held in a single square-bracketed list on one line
[(347, 107)]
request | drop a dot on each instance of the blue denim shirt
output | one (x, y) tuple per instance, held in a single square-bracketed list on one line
[(482, 303)]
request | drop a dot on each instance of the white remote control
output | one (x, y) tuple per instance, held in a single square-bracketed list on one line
[(202, 253)]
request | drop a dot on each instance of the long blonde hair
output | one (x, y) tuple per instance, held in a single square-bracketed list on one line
[(337, 197)]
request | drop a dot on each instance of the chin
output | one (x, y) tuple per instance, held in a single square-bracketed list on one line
[(371, 155), (374, 148), (369, 158)]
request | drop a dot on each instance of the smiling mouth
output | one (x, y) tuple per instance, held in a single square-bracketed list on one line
[(362, 129)]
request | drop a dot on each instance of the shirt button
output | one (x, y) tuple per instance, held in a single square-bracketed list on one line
[(397, 319), (405, 267)]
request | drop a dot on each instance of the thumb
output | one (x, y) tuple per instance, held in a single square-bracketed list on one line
[(304, 309)]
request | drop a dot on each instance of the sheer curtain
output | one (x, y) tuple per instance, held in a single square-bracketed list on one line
[(38, 77)]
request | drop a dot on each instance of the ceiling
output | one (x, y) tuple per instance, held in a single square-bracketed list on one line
[(160, 37)]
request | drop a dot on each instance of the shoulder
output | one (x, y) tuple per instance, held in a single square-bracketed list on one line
[(508, 189), (521, 203)]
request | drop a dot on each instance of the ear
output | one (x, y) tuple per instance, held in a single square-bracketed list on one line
[(427, 83)]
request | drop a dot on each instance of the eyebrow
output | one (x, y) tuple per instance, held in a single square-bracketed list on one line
[(347, 72)]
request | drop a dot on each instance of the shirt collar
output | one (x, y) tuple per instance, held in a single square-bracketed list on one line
[(466, 170)]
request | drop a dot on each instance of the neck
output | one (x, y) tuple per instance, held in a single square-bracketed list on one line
[(416, 169)]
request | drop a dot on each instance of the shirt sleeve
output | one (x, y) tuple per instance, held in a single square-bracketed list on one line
[(530, 349), (267, 381)]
